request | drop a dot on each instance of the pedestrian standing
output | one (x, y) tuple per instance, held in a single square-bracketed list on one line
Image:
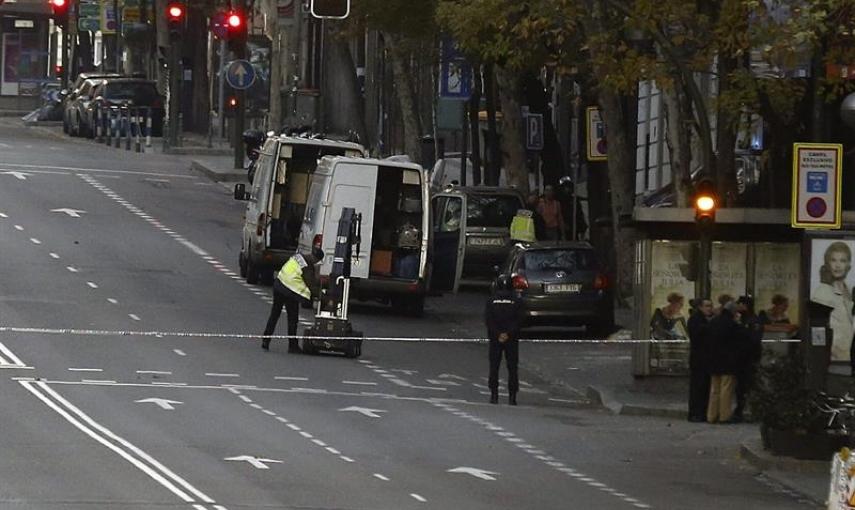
[(296, 282), (699, 361), (750, 350), (503, 318), (567, 191), (532, 204), (725, 333), (553, 219)]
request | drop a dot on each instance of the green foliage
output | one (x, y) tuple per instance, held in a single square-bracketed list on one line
[(780, 399)]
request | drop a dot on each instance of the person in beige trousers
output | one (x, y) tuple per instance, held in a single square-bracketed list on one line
[(725, 335)]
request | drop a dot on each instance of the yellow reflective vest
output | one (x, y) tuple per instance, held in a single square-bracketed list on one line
[(291, 276), (522, 227)]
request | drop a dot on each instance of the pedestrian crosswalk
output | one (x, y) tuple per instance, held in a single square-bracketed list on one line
[(9, 360)]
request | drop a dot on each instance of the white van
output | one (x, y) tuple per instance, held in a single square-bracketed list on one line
[(277, 199), (393, 198)]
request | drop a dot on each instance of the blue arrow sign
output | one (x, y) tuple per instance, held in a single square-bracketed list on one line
[(240, 75)]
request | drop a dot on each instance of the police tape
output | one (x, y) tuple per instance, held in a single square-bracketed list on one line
[(246, 336)]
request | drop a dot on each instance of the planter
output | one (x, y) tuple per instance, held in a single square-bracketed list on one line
[(806, 445)]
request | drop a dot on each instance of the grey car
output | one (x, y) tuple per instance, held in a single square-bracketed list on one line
[(561, 284)]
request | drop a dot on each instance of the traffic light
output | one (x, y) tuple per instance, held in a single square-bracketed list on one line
[(705, 201), (330, 8), (175, 15), (60, 12), (236, 26)]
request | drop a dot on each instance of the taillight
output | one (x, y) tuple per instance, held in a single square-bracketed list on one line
[(518, 282), (318, 241), (601, 282), (259, 227)]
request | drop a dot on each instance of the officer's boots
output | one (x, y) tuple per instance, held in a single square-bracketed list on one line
[(265, 344), (494, 397), (512, 399)]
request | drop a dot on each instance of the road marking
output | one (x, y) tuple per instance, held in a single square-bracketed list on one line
[(3, 215), (35, 241), (214, 374), (370, 413), (54, 255), (362, 383), (483, 474), (74, 213), (137, 457), (306, 434), (346, 459), (21, 176), (254, 461), (112, 301), (92, 285), (256, 406), (10, 360), (153, 372), (72, 269), (319, 443), (418, 498), (286, 378), (97, 170), (85, 369), (442, 382), (333, 450), (134, 316), (381, 477), (99, 381), (179, 352), (163, 403), (19, 228), (245, 399)]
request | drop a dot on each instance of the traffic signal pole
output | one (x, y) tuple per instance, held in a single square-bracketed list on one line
[(174, 96), (240, 108), (704, 260)]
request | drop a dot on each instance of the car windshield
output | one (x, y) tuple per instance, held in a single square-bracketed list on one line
[(141, 93), (568, 260), (491, 210)]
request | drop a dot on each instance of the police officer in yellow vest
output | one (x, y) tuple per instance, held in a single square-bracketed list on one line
[(522, 226), (295, 282)]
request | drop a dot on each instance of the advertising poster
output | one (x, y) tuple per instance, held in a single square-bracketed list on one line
[(831, 283), (728, 270), (776, 281), (671, 291)]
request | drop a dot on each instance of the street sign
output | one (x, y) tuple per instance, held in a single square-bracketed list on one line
[(240, 75), (817, 170), (218, 25), (455, 80), (596, 136), (534, 132)]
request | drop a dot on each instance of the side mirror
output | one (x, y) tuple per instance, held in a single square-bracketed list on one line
[(496, 270), (240, 192)]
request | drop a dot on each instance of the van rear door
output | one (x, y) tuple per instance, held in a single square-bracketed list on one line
[(353, 185), (449, 235)]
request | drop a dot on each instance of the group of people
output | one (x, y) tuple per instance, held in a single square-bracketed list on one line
[(552, 213), (725, 347)]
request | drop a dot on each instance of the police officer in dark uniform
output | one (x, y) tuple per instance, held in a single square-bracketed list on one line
[(503, 318), (749, 355)]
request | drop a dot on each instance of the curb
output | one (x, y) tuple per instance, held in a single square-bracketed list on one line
[(752, 452), (605, 399), (214, 175), (197, 151)]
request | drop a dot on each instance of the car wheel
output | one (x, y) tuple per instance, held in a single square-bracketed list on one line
[(242, 265), (251, 272), (352, 350)]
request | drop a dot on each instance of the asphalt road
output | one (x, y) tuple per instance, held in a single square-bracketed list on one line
[(101, 239)]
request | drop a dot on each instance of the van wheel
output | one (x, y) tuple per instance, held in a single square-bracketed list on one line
[(352, 350), (251, 272), (242, 265), (307, 347)]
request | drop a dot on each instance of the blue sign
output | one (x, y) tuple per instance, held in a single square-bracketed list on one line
[(455, 81), (534, 132), (817, 182), (240, 75)]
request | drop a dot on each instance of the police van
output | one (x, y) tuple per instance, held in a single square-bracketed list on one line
[(393, 199), (277, 198)]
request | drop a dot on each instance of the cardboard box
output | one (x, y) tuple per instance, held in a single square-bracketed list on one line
[(381, 262)]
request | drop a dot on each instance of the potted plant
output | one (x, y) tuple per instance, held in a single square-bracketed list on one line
[(791, 424)]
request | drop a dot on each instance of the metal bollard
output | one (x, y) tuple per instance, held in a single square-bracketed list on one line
[(128, 131), (117, 125), (138, 137), (108, 127), (148, 128), (96, 120)]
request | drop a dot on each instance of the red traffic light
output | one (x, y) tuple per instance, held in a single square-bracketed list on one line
[(234, 20), (174, 12), (232, 102), (58, 4)]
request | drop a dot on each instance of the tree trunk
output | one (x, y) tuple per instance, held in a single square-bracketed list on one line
[(552, 155), (199, 116), (726, 125), (408, 106), (679, 138), (494, 155), (84, 49), (513, 129), (345, 109), (475, 125)]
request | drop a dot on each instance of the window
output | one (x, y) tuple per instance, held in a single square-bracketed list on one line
[(558, 260), (450, 220), (495, 211)]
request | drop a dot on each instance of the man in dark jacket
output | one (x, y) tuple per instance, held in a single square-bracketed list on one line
[(725, 335), (296, 282), (699, 361), (503, 318), (750, 352)]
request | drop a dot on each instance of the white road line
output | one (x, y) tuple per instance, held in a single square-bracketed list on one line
[(245, 399), (418, 498), (333, 450), (294, 427), (256, 406), (72, 269), (306, 434), (92, 285), (346, 459), (13, 360), (179, 352), (286, 378), (104, 435), (99, 381), (381, 477), (3, 215), (97, 170), (154, 372), (19, 228), (214, 374), (134, 316), (268, 412), (85, 369), (35, 241), (362, 383), (283, 420), (159, 383), (319, 443), (54, 255), (112, 301)]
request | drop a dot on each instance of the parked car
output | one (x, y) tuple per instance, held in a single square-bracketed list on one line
[(277, 200), (71, 93), (468, 246), (132, 92), (77, 110), (393, 198), (561, 284)]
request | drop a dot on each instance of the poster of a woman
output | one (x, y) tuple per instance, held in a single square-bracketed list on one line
[(832, 282)]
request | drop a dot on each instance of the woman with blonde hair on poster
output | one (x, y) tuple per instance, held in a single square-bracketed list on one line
[(834, 292)]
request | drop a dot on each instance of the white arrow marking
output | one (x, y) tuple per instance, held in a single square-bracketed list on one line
[(371, 413), (74, 213), (21, 176), (162, 402), (451, 376), (255, 461), (442, 383), (240, 72), (477, 473)]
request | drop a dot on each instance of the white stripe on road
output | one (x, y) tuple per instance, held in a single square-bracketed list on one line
[(179, 352), (381, 477), (85, 369), (362, 383), (92, 285), (13, 360), (112, 301), (72, 269), (96, 170), (99, 381), (285, 378), (3, 215), (134, 317), (54, 255), (155, 372), (19, 228), (418, 498), (35, 241), (214, 374)]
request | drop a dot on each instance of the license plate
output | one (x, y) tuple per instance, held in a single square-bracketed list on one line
[(486, 241), (563, 288)]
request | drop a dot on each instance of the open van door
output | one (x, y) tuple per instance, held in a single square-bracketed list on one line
[(449, 236)]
